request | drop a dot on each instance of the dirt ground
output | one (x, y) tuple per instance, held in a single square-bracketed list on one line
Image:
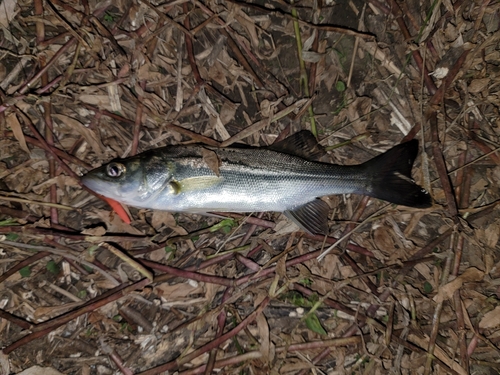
[(90, 289)]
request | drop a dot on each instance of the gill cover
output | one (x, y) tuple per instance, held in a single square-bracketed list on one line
[(131, 181)]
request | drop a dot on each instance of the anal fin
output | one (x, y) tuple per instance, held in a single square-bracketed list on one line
[(312, 216)]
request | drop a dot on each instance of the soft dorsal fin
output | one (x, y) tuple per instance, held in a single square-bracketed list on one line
[(301, 144)]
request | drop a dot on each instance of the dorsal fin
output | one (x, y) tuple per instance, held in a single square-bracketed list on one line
[(301, 144)]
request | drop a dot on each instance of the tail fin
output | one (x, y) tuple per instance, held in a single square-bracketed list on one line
[(391, 177)]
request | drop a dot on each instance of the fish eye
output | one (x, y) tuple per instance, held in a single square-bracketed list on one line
[(115, 169)]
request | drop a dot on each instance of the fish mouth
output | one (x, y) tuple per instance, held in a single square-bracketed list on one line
[(94, 185), (113, 190)]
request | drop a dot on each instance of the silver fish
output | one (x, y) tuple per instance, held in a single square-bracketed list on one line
[(283, 177)]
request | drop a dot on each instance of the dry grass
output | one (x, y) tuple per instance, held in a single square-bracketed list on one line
[(406, 291)]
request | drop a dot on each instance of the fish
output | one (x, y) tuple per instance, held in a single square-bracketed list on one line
[(284, 177)]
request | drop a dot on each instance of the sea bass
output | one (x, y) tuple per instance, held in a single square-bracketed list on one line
[(284, 177)]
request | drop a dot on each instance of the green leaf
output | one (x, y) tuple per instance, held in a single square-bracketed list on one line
[(82, 294), (88, 268), (298, 300), (25, 271), (313, 323), (125, 327), (169, 249), (427, 287), (8, 222), (92, 249), (108, 17), (224, 223), (340, 86), (12, 236), (306, 281), (117, 318), (295, 297), (53, 268), (170, 252), (313, 298)]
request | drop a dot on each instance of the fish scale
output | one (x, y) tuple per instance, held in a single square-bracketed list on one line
[(254, 180)]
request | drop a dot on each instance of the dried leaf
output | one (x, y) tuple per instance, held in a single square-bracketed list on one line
[(375, 50), (435, 16), (266, 108), (216, 122), (311, 56), (227, 112), (97, 231), (478, 85), (212, 160), (4, 360), (161, 218), (15, 125), (309, 41), (218, 73), (37, 370), (245, 21), (3, 72), (471, 274), (114, 223), (357, 112), (132, 262), (491, 319), (177, 291), (101, 101), (264, 342), (490, 235), (438, 352), (90, 136), (284, 226), (7, 12), (62, 182), (281, 267), (157, 255)]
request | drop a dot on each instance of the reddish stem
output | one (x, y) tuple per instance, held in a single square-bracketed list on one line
[(138, 120), (45, 328), (213, 344)]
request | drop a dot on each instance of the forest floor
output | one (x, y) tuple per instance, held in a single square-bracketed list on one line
[(391, 289)]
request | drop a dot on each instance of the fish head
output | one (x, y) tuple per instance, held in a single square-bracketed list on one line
[(134, 181)]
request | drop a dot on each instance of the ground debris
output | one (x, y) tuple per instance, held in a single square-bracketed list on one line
[(404, 290)]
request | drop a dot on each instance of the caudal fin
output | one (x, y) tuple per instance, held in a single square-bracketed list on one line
[(390, 177)]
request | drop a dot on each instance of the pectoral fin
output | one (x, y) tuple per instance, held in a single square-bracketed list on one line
[(197, 183), (312, 216)]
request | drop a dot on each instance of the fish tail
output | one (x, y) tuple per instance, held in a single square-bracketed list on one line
[(390, 177)]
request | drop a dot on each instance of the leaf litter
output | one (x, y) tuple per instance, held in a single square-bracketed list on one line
[(404, 290)]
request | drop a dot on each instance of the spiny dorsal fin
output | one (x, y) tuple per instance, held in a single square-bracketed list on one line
[(301, 144)]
